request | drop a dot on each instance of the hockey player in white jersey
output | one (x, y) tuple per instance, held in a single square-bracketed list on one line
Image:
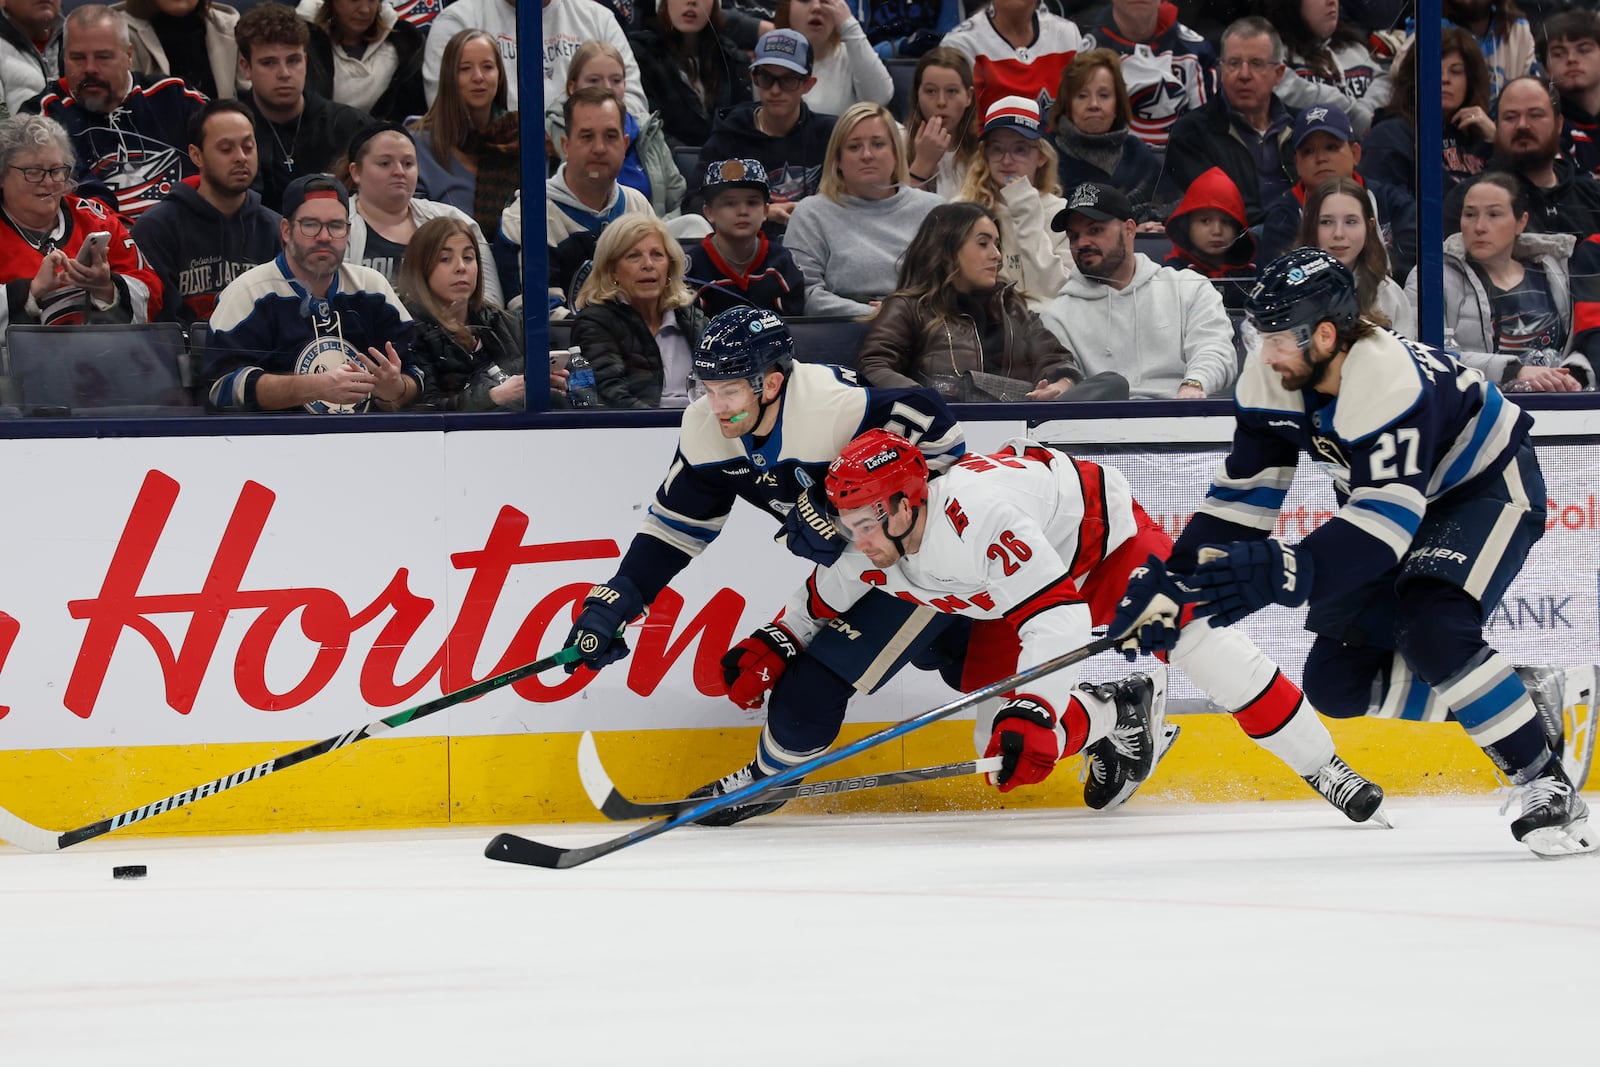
[(1032, 548)]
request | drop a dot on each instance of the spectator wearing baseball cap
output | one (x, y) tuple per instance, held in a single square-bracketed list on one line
[(309, 331), (1014, 176), (1165, 331), (1324, 147), (776, 129), (736, 263)]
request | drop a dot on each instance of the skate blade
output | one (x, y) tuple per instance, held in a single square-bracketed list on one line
[(1381, 817), (1559, 842)]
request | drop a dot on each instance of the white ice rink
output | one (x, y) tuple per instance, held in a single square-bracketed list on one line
[(1267, 934)]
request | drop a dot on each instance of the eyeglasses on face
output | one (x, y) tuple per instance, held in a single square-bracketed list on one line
[(36, 175), (787, 82), (312, 227), (1023, 150), (1235, 64)]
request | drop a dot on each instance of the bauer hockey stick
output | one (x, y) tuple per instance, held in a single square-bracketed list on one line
[(33, 838), (509, 848), (605, 796)]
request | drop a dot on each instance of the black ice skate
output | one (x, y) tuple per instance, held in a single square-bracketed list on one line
[(1117, 764), (1565, 699), (732, 783), (1554, 816), (1352, 794)]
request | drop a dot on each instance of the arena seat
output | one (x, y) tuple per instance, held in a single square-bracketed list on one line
[(687, 157), (827, 338), (901, 72), (129, 369)]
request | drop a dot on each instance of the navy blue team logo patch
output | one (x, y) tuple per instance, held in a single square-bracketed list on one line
[(321, 355)]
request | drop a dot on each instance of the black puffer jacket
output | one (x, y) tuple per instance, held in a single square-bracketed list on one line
[(454, 379), (686, 119), (627, 362)]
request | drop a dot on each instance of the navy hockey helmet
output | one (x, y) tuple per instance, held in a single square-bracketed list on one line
[(1301, 289), (744, 342)]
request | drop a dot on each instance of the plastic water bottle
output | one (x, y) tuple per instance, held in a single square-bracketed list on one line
[(580, 381)]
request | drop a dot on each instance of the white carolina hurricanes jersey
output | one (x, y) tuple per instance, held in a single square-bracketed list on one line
[(1010, 535)]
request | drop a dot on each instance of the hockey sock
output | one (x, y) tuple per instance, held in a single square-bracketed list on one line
[(1493, 706), (1088, 717), (772, 758)]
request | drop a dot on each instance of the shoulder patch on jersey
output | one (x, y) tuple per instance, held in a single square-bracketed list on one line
[(1259, 389), (1381, 383), (1186, 34)]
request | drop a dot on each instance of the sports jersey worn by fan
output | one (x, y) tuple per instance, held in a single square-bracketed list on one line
[(138, 288), (1037, 546), (1000, 69), (1173, 72), (823, 408)]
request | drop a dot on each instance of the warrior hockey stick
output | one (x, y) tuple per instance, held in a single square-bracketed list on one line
[(613, 805), (33, 838), (510, 848)]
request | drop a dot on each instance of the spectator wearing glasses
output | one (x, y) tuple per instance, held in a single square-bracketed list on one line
[(310, 332), (49, 277), (1014, 176), (1244, 128), (777, 129)]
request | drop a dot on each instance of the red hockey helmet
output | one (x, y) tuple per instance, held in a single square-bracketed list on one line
[(873, 468)]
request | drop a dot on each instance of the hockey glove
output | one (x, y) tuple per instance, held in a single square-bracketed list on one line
[(753, 666), (1238, 579), (1147, 614), (1026, 741), (598, 631), (808, 529)]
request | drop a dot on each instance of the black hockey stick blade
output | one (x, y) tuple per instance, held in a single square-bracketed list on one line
[(509, 848), (605, 796), (31, 838)]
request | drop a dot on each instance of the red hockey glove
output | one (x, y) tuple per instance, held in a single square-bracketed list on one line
[(1026, 741), (753, 666)]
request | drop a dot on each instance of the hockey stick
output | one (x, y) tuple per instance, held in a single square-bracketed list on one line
[(33, 838), (613, 805), (509, 848)]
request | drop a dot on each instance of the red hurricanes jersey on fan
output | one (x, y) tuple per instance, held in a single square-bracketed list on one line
[(1033, 72), (1009, 536), (139, 288)]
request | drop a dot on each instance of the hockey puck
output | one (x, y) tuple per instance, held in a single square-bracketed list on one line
[(137, 870)]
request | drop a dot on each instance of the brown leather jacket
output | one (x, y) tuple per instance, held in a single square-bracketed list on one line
[(907, 346)]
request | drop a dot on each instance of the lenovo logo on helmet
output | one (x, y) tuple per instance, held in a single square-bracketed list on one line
[(888, 455)]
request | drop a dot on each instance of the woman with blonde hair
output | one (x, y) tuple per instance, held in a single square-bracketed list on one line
[(469, 147), (941, 134), (469, 351), (847, 69), (648, 165), (1014, 175), (637, 323), (848, 238)]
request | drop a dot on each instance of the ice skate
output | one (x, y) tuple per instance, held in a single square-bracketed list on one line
[(1348, 791), (1117, 764), (732, 783), (1565, 697), (1554, 816)]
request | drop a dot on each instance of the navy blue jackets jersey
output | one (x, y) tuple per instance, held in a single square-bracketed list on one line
[(823, 409), (196, 250), (140, 149), (1409, 428), (266, 322), (772, 280)]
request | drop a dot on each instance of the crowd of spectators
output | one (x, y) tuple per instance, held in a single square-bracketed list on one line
[(1024, 199)]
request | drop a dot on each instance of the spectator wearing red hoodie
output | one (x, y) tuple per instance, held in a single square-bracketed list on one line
[(1209, 235), (1169, 69)]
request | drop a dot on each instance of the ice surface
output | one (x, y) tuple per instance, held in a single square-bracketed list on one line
[(1262, 934)]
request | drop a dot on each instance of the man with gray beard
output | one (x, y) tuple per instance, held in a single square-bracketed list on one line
[(1164, 330), (129, 130), (1527, 142)]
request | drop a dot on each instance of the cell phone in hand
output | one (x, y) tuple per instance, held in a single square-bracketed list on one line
[(93, 245), (559, 357)]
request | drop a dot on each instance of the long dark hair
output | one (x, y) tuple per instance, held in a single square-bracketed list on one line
[(1372, 265), (416, 266), (965, 140), (1295, 32), (447, 120), (931, 264), (706, 59), (1453, 41)]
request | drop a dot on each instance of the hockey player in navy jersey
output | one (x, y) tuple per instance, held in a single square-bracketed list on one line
[(1441, 498)]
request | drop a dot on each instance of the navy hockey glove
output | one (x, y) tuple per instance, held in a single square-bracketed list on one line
[(1147, 614), (753, 666), (808, 529), (1025, 739), (1238, 579), (598, 631)]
